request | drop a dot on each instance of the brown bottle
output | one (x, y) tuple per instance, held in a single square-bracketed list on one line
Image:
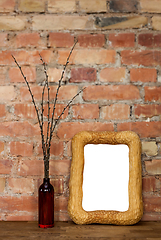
[(46, 204)]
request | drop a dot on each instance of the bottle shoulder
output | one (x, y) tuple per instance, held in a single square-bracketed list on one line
[(46, 187)]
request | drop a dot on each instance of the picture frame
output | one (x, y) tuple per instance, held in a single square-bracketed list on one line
[(135, 210)]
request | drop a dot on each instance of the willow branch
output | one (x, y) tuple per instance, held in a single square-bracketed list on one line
[(42, 113), (56, 121), (33, 100), (48, 101), (57, 91)]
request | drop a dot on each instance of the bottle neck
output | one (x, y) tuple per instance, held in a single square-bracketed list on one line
[(46, 180)]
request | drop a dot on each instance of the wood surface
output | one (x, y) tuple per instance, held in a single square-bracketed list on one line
[(69, 230)]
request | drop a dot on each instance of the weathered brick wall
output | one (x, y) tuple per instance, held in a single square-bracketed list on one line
[(117, 58)]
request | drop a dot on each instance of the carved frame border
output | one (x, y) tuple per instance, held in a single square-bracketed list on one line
[(135, 210)]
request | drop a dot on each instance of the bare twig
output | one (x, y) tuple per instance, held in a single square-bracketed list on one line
[(56, 121), (57, 91), (66, 108), (46, 144), (48, 101), (33, 100)]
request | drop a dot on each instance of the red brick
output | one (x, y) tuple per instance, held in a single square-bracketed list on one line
[(54, 74), (20, 217), (15, 129), (1, 147), (68, 129), (149, 184), (143, 129), (91, 40), (21, 149), (5, 166), (58, 110), (2, 184), (152, 94), (159, 183), (45, 125), (143, 57), (25, 168), (3, 74), (24, 57), (36, 90), (112, 74), (115, 111), (87, 56), (18, 203), (145, 39), (60, 203), (25, 110), (152, 204), (3, 39), (149, 40), (21, 185), (65, 92), (27, 40), (7, 6), (59, 167), (62, 216), (157, 40), (85, 111), (153, 167), (143, 75), (122, 39), (120, 92), (145, 110), (58, 39), (151, 217), (2, 110), (57, 149), (83, 75), (7, 93)]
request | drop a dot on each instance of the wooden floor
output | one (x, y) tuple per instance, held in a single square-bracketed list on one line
[(69, 230)]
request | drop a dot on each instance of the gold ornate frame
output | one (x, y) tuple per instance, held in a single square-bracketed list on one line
[(135, 210)]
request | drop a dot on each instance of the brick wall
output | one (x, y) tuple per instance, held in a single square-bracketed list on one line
[(117, 58)]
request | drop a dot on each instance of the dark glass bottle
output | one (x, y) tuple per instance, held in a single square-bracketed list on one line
[(46, 204)]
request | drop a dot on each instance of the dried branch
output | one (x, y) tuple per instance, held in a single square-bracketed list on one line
[(46, 144), (48, 101), (56, 121), (66, 108), (68, 105), (33, 100), (57, 91)]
